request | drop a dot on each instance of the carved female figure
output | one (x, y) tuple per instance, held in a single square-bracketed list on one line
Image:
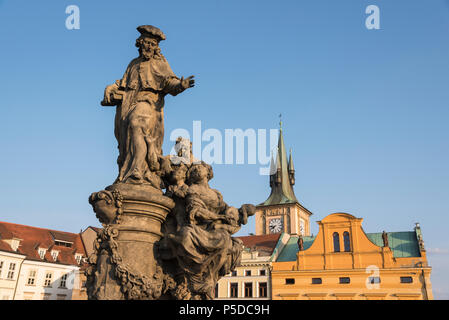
[(203, 244)]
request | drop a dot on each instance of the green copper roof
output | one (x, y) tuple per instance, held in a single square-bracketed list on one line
[(281, 192), (291, 248), (403, 244)]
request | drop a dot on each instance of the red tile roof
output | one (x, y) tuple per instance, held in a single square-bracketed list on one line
[(265, 244), (33, 238)]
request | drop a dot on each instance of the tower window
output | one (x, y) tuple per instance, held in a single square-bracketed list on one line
[(336, 237), (406, 280), (345, 280), (374, 280), (346, 241)]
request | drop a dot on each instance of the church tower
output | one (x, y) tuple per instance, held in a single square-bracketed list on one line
[(282, 212)]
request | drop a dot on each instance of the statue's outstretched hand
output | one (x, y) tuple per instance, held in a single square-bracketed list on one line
[(187, 82)]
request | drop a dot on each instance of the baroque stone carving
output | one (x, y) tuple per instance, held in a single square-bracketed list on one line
[(166, 234)]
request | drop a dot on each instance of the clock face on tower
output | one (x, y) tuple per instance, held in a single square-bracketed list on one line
[(276, 225)]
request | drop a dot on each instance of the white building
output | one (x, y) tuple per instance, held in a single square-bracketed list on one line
[(39, 264), (252, 279)]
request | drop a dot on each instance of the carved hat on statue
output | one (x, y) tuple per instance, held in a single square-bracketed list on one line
[(152, 31)]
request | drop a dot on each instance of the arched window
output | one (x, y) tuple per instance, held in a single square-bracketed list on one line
[(347, 241), (336, 242)]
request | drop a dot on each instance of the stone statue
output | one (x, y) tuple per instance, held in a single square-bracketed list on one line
[(385, 239), (139, 97), (166, 234), (202, 243), (301, 243)]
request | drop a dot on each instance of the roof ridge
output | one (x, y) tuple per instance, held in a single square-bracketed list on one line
[(33, 227)]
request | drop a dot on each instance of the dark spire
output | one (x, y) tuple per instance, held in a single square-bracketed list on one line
[(281, 179)]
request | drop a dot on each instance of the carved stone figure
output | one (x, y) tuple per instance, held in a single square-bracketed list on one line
[(301, 243), (156, 245), (385, 239), (203, 245), (139, 97)]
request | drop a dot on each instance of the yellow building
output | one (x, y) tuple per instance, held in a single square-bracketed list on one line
[(343, 262)]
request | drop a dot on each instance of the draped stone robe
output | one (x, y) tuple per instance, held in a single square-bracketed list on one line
[(144, 86)]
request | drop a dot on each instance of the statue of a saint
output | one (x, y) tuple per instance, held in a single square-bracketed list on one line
[(301, 243), (385, 239), (139, 97)]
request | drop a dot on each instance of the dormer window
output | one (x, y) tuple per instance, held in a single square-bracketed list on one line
[(78, 257), (42, 252), (63, 243), (15, 244), (54, 254)]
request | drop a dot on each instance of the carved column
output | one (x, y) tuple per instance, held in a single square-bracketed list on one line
[(126, 256)]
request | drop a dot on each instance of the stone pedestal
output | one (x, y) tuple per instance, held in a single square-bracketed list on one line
[(140, 226), (125, 265)]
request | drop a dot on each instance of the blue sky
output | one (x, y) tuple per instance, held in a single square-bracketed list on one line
[(365, 111)]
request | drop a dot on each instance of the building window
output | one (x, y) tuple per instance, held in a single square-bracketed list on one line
[(263, 290), (54, 254), (302, 227), (31, 278), (63, 283), (234, 288), (63, 243), (78, 258), (406, 280), (234, 273), (12, 267), (15, 244), (345, 280), (42, 252), (248, 273), (289, 281), (248, 290), (346, 241), (47, 282), (374, 280), (262, 272), (317, 281), (216, 291), (336, 242)]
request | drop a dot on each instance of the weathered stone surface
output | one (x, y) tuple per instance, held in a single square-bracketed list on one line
[(158, 245)]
